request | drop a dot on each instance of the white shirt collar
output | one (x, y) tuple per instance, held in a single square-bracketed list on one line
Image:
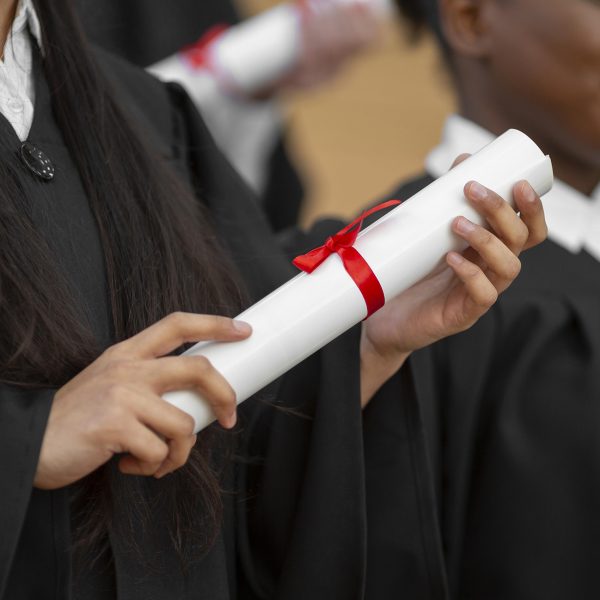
[(27, 16), (17, 89), (573, 218)]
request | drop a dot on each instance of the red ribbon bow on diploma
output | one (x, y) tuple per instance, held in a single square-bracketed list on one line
[(342, 243)]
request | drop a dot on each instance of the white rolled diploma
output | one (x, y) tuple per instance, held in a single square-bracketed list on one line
[(401, 248), (249, 56), (258, 51)]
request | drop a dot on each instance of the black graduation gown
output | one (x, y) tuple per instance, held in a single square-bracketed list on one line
[(296, 528), (147, 31), (512, 412)]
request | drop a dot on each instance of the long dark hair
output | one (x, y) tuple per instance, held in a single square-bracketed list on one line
[(145, 218)]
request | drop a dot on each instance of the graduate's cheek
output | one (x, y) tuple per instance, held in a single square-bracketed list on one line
[(546, 59), (574, 46)]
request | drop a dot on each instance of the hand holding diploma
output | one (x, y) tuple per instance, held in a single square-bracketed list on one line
[(332, 32), (460, 291), (114, 405), (402, 248)]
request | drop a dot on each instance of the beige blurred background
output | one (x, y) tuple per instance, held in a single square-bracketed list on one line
[(372, 127)]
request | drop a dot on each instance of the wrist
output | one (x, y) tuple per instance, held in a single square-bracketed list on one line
[(376, 366)]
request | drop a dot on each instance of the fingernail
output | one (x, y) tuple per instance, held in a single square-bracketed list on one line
[(477, 191), (230, 421), (464, 226), (455, 258), (241, 326), (528, 192)]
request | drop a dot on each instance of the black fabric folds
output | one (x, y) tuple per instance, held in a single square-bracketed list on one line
[(511, 412), (23, 418)]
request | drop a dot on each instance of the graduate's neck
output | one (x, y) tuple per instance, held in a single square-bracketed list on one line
[(481, 104), (8, 9)]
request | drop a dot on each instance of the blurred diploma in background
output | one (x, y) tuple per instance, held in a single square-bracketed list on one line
[(372, 126)]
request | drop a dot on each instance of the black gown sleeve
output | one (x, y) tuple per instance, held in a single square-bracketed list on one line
[(405, 555), (515, 424), (453, 380), (23, 416)]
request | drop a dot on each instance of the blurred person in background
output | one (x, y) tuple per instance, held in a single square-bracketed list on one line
[(248, 128), (512, 407)]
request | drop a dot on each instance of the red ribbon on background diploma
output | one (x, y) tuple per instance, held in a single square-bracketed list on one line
[(342, 244), (197, 54)]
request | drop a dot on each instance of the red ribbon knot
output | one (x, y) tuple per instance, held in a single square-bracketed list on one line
[(342, 244)]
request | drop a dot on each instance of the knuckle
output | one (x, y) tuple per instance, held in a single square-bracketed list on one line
[(157, 453), (113, 398), (177, 321), (487, 298), (115, 422), (185, 424), (178, 459), (472, 271), (225, 397), (485, 237), (121, 369), (522, 235), (188, 424), (459, 323), (111, 420), (220, 323), (495, 202), (216, 320), (513, 269), (113, 352), (201, 365)]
